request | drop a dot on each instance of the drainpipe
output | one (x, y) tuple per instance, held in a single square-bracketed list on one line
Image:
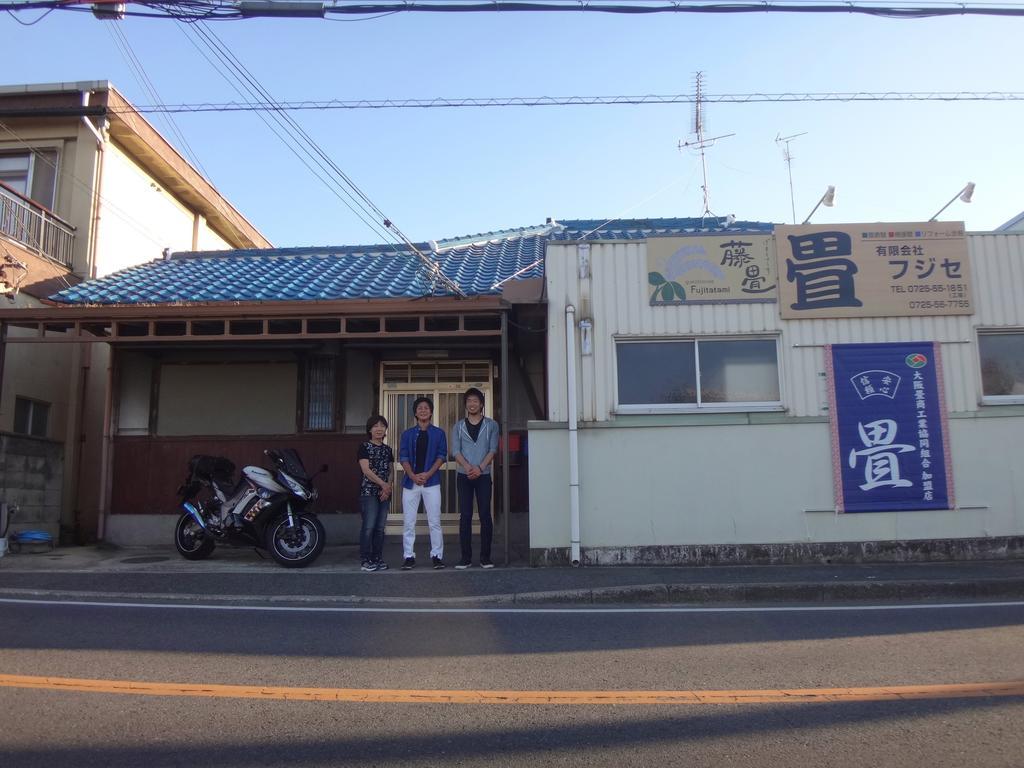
[(77, 440), (85, 358), (574, 445), (103, 501), (506, 505), (90, 255)]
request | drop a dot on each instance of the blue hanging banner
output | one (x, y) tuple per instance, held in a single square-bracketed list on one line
[(890, 448)]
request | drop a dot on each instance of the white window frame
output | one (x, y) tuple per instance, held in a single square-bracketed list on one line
[(995, 399), (33, 159), (698, 407)]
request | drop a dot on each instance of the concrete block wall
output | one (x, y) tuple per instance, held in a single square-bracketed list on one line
[(31, 477)]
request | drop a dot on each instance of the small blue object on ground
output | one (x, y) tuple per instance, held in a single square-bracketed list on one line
[(37, 538)]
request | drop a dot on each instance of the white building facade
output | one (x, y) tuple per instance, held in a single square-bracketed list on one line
[(749, 477)]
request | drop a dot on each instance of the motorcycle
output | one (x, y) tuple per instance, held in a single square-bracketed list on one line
[(265, 509)]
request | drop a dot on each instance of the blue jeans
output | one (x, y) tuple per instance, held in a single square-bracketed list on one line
[(480, 489), (371, 534)]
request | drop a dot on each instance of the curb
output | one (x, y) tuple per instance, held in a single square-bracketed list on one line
[(644, 594)]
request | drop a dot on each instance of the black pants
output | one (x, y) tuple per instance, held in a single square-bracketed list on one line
[(481, 490)]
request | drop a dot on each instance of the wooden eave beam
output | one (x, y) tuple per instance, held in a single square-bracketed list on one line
[(134, 324)]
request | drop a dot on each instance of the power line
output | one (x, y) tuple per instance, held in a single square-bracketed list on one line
[(238, 78), (243, 9), (309, 152), (581, 101), (137, 68)]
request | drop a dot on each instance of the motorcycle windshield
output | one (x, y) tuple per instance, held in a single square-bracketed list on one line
[(291, 464)]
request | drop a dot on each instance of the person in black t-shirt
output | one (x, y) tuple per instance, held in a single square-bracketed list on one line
[(375, 460)]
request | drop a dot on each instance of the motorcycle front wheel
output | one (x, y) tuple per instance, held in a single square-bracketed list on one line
[(299, 545), (192, 542)]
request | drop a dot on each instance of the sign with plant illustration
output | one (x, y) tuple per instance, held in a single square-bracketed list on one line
[(730, 267)]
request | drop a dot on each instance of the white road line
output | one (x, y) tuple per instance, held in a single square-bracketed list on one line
[(442, 610)]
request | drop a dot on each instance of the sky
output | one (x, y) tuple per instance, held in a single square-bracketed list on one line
[(449, 172)]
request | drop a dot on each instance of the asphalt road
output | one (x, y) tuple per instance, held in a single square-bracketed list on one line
[(573, 651)]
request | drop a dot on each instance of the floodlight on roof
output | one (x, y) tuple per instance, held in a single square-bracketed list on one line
[(964, 194), (828, 200)]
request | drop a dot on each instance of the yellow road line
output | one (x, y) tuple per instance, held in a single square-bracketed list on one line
[(767, 696)]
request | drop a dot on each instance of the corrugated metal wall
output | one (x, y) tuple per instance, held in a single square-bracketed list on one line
[(614, 296)]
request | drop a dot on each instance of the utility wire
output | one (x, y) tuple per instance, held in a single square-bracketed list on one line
[(109, 205), (370, 212), (586, 101), (245, 9), (144, 81), (278, 128), (241, 76)]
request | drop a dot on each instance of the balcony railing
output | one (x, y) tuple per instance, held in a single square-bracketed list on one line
[(35, 227)]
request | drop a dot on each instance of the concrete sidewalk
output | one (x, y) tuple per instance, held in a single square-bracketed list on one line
[(243, 576)]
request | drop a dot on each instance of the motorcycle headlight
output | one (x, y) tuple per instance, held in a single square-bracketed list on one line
[(295, 487)]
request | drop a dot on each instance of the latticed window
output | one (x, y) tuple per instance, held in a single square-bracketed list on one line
[(321, 392), (458, 371)]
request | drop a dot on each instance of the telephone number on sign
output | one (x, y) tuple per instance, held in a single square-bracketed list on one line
[(963, 304)]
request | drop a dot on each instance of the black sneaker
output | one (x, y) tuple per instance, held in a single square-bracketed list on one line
[(381, 565), (463, 565), (486, 564), (368, 565), (409, 563), (438, 563)]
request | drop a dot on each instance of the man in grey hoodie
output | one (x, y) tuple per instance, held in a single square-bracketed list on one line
[(474, 444)]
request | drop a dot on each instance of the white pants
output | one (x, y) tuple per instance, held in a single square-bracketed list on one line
[(431, 496)]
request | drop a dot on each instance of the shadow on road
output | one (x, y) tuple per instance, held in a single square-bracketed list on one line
[(590, 737)]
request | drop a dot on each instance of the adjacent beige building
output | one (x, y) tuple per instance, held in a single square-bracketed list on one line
[(87, 187)]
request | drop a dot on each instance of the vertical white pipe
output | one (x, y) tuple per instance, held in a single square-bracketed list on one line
[(574, 446)]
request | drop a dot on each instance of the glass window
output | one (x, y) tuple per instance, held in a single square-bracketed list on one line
[(320, 394), (657, 372), (741, 371), (31, 417), (1002, 366), (44, 177), (684, 374), (32, 174), (14, 171)]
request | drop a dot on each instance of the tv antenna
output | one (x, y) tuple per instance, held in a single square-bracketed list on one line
[(788, 157), (702, 142)]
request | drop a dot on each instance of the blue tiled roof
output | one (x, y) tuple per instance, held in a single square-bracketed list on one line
[(641, 229), (478, 263)]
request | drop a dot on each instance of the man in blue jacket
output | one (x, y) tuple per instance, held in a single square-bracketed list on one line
[(422, 451)]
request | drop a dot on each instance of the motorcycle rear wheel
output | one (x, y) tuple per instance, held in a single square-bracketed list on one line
[(191, 541), (298, 546)]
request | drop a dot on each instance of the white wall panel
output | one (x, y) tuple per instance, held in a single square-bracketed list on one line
[(143, 221), (229, 399), (997, 263), (748, 484)]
